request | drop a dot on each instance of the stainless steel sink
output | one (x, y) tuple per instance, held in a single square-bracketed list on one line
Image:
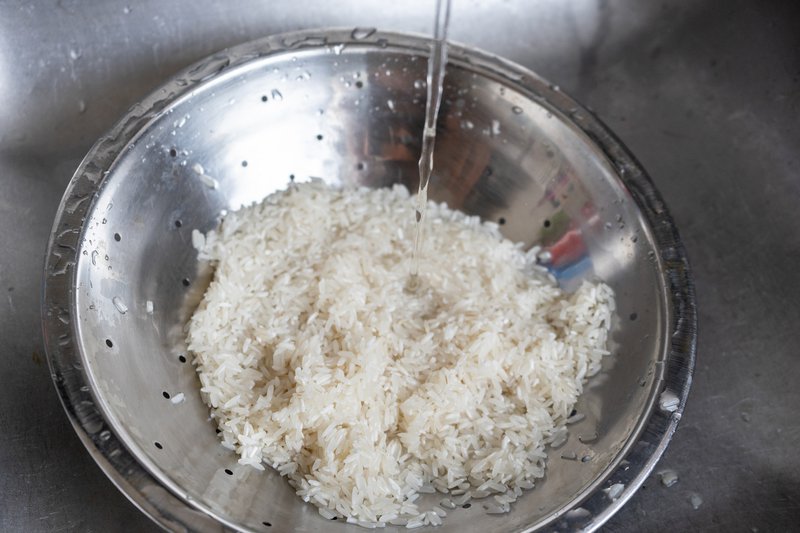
[(706, 94)]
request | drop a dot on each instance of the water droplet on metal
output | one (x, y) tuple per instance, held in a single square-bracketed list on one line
[(180, 122), (276, 95), (119, 304), (209, 182), (419, 84), (668, 401), (362, 33), (696, 500), (517, 110), (339, 48), (390, 105), (467, 125), (668, 477), (614, 491), (75, 54), (94, 257), (579, 513)]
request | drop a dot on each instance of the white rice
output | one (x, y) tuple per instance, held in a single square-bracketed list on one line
[(317, 359)]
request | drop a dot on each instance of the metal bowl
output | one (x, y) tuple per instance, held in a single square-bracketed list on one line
[(122, 276)]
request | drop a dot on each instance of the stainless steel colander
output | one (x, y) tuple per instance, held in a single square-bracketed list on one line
[(122, 276)]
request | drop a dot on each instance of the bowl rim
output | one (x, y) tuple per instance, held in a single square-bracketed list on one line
[(160, 499)]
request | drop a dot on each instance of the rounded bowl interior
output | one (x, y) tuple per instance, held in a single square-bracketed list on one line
[(347, 109)]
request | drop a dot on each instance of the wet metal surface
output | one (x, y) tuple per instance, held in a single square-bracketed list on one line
[(241, 123), (705, 94)]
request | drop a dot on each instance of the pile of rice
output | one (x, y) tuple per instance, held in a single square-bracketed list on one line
[(318, 359)]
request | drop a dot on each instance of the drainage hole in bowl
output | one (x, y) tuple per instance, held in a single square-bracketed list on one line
[(117, 237), (173, 152), (228, 471), (185, 282), (501, 221), (319, 136), (268, 524), (634, 316), (244, 163), (158, 445), (182, 358), (546, 223), (165, 394), (178, 223), (109, 343)]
